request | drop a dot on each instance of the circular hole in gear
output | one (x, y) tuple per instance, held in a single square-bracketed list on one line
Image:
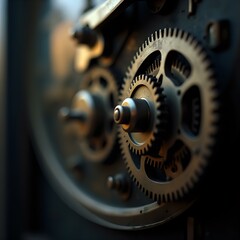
[(177, 159), (154, 57), (191, 109), (103, 82), (177, 67), (154, 173)]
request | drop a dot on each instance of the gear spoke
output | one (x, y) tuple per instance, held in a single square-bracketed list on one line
[(191, 81), (193, 143)]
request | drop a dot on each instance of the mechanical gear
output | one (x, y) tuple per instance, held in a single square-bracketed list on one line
[(96, 99), (191, 100), (145, 126)]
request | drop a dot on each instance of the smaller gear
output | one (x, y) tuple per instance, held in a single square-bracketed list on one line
[(142, 114), (91, 109)]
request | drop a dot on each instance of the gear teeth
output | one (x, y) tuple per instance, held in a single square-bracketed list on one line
[(153, 162), (146, 43), (171, 32), (186, 36), (175, 32), (153, 67), (192, 41), (155, 192), (154, 85), (195, 44), (152, 39), (181, 68), (181, 34), (199, 49)]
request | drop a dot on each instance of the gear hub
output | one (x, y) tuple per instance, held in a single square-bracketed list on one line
[(141, 114)]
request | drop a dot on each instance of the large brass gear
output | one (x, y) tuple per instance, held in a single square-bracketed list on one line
[(191, 99)]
